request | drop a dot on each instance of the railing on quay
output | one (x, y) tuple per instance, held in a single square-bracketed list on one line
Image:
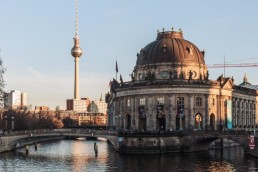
[(125, 133)]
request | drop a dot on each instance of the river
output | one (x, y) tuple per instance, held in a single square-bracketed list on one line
[(77, 156)]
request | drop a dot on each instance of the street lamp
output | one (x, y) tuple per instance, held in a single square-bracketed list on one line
[(5, 122), (12, 123)]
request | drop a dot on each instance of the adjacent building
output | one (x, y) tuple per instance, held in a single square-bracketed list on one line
[(16, 99), (93, 114), (170, 90), (77, 105)]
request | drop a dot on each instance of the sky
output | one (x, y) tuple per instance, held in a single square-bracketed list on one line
[(36, 37)]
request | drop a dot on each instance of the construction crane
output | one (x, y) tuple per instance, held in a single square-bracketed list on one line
[(232, 65)]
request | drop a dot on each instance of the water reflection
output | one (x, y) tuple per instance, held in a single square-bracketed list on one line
[(68, 155)]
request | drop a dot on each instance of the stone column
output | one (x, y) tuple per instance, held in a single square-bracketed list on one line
[(190, 112), (219, 109), (206, 111), (171, 114), (149, 121), (133, 114)]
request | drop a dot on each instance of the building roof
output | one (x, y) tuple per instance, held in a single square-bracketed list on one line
[(246, 84), (170, 47)]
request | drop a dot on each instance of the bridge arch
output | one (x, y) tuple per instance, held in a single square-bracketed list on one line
[(201, 143), (14, 142)]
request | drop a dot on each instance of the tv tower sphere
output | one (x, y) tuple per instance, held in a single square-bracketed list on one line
[(76, 50)]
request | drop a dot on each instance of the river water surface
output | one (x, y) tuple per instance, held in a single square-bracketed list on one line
[(77, 156)]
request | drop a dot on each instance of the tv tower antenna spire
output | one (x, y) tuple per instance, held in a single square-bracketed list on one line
[(76, 20)]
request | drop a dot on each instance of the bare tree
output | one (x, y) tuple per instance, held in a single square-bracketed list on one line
[(3, 95)]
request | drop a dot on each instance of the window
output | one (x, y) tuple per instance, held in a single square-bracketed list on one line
[(128, 103), (213, 102), (161, 100), (164, 48), (142, 101), (198, 101), (180, 104)]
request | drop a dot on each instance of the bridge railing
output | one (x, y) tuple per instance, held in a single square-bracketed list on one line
[(47, 131), (124, 133)]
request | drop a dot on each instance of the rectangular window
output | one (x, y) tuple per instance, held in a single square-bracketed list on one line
[(198, 101), (142, 101), (180, 105), (213, 102), (128, 103), (161, 100)]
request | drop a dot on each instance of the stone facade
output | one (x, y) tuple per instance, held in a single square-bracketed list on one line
[(170, 90)]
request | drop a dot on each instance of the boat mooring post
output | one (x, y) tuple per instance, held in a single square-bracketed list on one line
[(96, 149)]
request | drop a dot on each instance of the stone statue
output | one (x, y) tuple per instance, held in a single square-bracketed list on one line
[(190, 75), (207, 75), (132, 76), (121, 80), (220, 77), (153, 78), (114, 85), (138, 58), (170, 74), (148, 78), (175, 75)]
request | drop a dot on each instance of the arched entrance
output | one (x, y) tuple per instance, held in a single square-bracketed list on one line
[(142, 119), (128, 122), (198, 121), (212, 122), (161, 118)]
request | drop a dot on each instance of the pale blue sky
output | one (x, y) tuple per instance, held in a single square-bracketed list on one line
[(36, 37)]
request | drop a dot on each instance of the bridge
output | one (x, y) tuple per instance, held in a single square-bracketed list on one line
[(13, 140), (133, 142)]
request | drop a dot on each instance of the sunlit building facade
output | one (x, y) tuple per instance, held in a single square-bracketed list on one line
[(16, 99), (170, 90)]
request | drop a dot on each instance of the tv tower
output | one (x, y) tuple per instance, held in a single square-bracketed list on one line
[(76, 104), (76, 53)]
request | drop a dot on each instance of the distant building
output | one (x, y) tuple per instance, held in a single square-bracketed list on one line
[(87, 103), (24, 99), (246, 84), (42, 108), (16, 99), (77, 105), (86, 112), (92, 119), (98, 106)]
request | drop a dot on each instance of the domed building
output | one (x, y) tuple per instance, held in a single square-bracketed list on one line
[(170, 90)]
